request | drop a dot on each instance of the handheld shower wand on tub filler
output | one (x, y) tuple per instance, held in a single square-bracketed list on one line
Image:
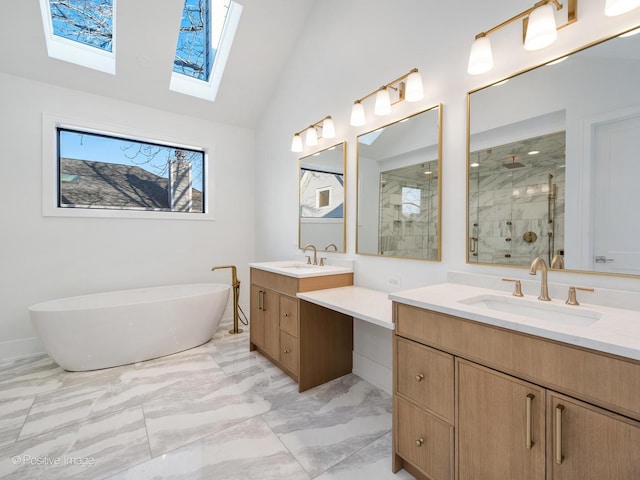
[(235, 284)]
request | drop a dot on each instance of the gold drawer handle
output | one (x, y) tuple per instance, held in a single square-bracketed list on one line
[(419, 442), (287, 351), (558, 445), (529, 441), (419, 377)]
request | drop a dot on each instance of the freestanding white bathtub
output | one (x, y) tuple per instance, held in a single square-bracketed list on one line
[(116, 328)]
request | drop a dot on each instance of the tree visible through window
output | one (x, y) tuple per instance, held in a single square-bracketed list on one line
[(200, 31), (86, 21), (411, 201), (103, 171)]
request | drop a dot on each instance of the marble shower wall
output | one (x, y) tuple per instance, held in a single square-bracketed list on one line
[(504, 204), (403, 234)]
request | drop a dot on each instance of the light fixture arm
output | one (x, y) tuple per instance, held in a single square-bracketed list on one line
[(400, 87), (527, 12), (316, 125)]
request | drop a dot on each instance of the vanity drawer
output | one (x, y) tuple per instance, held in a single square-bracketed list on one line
[(424, 440), (425, 376), (289, 352), (289, 315)]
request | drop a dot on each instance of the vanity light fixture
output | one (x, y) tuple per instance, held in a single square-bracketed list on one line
[(539, 28), (618, 7), (327, 130), (407, 87)]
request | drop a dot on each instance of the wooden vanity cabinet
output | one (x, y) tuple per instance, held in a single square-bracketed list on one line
[(265, 330), (525, 407), (591, 442), (501, 425), (294, 341)]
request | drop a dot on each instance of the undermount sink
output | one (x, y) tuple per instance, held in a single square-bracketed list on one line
[(299, 266), (539, 310)]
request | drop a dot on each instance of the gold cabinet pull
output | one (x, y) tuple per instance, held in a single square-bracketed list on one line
[(286, 315), (558, 445), (260, 300), (287, 351), (419, 377), (419, 442), (530, 398)]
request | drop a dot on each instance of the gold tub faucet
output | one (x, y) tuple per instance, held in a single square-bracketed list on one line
[(235, 284)]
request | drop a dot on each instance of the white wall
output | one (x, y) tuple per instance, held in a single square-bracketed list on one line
[(351, 48), (43, 258)]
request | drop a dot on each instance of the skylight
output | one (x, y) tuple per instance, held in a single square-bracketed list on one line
[(81, 32), (206, 32)]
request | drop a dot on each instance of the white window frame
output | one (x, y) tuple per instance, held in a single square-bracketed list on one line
[(50, 208)]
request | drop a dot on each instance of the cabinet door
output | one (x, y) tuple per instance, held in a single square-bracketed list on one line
[(588, 442), (256, 325), (500, 426), (271, 312)]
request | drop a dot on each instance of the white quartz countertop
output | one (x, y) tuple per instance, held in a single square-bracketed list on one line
[(300, 269), (607, 329), (369, 305)]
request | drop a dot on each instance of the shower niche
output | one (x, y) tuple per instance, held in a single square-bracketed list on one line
[(517, 201)]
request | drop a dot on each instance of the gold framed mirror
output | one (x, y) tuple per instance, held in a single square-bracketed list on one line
[(552, 163), (399, 188), (321, 197)]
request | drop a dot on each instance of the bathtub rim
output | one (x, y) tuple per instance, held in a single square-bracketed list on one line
[(48, 305)]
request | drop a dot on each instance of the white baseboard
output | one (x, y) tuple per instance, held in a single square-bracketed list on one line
[(373, 372), (17, 349)]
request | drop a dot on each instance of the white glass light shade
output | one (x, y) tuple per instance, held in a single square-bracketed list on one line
[(357, 115), (541, 29), (481, 57), (328, 128), (618, 7), (414, 91), (383, 102), (296, 143), (312, 137)]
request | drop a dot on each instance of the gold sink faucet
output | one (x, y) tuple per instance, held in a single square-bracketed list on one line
[(335, 247), (544, 288), (315, 253)]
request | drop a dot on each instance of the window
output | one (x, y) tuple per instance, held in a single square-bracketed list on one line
[(103, 171), (411, 202), (321, 194), (80, 32), (323, 197), (206, 33)]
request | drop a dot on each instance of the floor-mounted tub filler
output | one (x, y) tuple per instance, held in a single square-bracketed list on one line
[(117, 328)]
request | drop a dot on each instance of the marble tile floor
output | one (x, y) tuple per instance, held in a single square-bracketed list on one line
[(216, 411)]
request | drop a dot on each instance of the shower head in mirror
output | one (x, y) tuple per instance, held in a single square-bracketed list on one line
[(513, 163)]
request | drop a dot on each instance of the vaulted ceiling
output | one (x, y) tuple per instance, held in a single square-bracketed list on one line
[(146, 34)]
